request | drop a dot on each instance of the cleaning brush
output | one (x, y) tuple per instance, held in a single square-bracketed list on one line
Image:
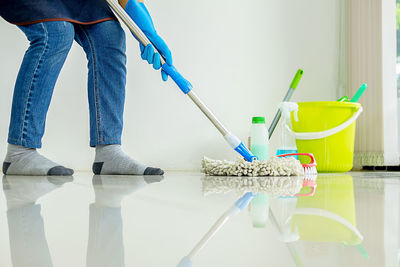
[(309, 168), (310, 173)]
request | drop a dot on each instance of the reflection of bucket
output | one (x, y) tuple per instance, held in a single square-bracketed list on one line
[(327, 129), (328, 216)]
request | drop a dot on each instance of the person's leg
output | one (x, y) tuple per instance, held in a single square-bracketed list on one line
[(50, 43), (104, 45)]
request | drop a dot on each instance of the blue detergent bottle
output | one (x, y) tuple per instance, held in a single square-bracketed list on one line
[(287, 138), (258, 141)]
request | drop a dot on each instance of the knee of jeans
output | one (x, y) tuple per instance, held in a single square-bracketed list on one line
[(61, 36), (55, 36), (111, 36)]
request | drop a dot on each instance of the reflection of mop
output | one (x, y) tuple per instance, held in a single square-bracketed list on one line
[(274, 186), (289, 245), (234, 210), (270, 185)]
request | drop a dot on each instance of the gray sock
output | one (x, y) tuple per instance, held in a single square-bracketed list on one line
[(111, 160), (27, 161)]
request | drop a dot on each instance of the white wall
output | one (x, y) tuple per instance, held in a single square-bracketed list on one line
[(240, 57)]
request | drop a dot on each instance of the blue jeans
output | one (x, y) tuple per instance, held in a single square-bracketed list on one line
[(50, 42)]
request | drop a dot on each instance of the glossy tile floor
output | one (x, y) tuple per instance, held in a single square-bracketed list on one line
[(104, 221)]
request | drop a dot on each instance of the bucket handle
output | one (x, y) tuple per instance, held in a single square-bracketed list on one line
[(323, 134)]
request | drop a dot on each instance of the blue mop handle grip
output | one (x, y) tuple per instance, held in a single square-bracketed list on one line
[(245, 152), (182, 83)]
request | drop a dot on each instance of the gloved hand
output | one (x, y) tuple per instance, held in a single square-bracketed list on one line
[(141, 16)]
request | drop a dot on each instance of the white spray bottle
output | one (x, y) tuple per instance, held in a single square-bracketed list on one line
[(287, 139)]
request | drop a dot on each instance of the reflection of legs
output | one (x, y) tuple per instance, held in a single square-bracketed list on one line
[(105, 245), (27, 238), (110, 190), (50, 43), (26, 229), (104, 45)]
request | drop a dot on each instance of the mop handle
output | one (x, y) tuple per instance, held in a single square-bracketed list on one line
[(136, 31), (279, 112), (183, 84), (287, 97)]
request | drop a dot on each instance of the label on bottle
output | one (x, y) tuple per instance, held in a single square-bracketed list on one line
[(260, 151)]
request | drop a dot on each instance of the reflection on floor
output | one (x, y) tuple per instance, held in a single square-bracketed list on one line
[(351, 220)]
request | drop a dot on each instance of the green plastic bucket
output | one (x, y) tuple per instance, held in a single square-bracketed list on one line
[(327, 129)]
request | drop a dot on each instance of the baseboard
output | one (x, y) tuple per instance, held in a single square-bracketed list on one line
[(381, 168), (368, 159)]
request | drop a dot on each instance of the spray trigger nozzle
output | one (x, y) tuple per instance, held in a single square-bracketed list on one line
[(287, 108)]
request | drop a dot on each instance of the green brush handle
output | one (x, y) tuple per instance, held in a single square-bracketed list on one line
[(359, 93), (296, 79), (363, 251), (343, 99)]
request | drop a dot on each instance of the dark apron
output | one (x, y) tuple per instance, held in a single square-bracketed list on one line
[(23, 12)]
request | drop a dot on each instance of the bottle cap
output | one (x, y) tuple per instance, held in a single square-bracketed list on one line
[(258, 120)]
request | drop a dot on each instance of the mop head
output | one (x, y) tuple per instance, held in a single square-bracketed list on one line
[(286, 166), (272, 185)]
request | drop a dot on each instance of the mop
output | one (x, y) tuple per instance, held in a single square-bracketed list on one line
[(183, 84)]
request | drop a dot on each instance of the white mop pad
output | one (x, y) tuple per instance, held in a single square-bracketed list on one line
[(287, 166)]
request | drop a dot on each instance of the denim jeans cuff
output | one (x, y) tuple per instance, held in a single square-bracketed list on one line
[(94, 143), (24, 143)]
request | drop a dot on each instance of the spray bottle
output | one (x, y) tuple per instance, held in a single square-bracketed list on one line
[(288, 140)]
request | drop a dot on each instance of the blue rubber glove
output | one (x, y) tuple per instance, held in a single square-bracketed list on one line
[(141, 16)]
